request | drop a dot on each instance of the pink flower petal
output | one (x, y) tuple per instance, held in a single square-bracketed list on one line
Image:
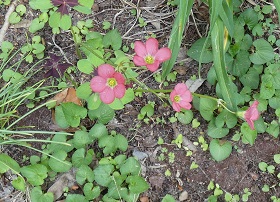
[(172, 95), (251, 124), (140, 49), (176, 107), (152, 46), (119, 78), (139, 61), (153, 67), (97, 84), (106, 71), (163, 54), (181, 88), (185, 105), (107, 96), (187, 96), (119, 91)]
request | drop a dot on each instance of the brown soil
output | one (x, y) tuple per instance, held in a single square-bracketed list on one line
[(237, 172)]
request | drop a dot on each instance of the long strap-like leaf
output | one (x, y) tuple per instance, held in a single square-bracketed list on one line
[(277, 6), (177, 35)]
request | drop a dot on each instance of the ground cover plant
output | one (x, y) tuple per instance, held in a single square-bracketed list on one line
[(88, 156)]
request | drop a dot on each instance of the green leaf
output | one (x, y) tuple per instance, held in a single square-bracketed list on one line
[(40, 5), (196, 52), (81, 139), (240, 64), (35, 174), (36, 25), (14, 18), (136, 184), (79, 158), (112, 38), (277, 6), (176, 35), (121, 142), (216, 132), (19, 183), (73, 113), (84, 173), (65, 22), (263, 166), (249, 134), (85, 66), (7, 163), (250, 18), (220, 150), (185, 117), (103, 113), (251, 79), (98, 130), (54, 20), (263, 53), (130, 166), (93, 101), (207, 107), (276, 158), (90, 191), (103, 173), (38, 48), (226, 117), (168, 198), (84, 91), (83, 9), (59, 163), (38, 196), (267, 89), (273, 129)]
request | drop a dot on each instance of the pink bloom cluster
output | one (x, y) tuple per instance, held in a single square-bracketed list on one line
[(109, 84), (181, 97), (149, 55), (252, 114)]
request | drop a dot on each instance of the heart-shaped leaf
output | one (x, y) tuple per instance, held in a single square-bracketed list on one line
[(220, 150), (263, 53), (249, 134)]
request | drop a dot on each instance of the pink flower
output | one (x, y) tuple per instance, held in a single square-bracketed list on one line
[(148, 54), (252, 114), (181, 97), (109, 84)]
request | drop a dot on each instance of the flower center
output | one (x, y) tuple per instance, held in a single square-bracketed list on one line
[(112, 82), (177, 98), (149, 59)]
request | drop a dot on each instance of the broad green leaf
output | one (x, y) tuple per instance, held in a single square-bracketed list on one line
[(60, 118), (7, 163), (241, 64), (168, 198), (98, 130), (14, 18), (260, 125), (38, 196), (148, 109), (84, 173), (130, 166), (197, 52), (96, 57), (103, 113), (93, 101), (38, 48), (250, 18), (85, 66), (91, 192), (82, 9), (103, 173), (216, 132), (19, 183), (81, 139), (251, 79), (226, 117), (276, 158), (73, 113), (263, 53), (220, 150), (40, 5), (36, 25), (108, 142), (121, 142), (54, 20), (80, 157), (60, 165), (207, 107), (84, 91), (65, 22), (273, 129), (35, 174), (136, 184), (113, 39), (62, 138), (249, 134), (185, 117), (267, 89)]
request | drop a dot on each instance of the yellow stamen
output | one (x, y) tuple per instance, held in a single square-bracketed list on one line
[(149, 59), (177, 98), (112, 82)]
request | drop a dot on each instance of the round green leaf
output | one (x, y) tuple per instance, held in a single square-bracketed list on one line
[(263, 53), (65, 22), (220, 150), (85, 66), (98, 130), (276, 158)]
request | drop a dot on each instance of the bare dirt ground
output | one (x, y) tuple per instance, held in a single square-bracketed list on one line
[(234, 174)]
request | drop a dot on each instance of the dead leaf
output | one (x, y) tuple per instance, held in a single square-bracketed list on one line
[(65, 180), (182, 70), (193, 85), (183, 196), (144, 199), (67, 95)]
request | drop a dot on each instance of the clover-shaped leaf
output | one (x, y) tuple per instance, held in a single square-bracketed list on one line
[(220, 150), (35, 174), (263, 53)]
